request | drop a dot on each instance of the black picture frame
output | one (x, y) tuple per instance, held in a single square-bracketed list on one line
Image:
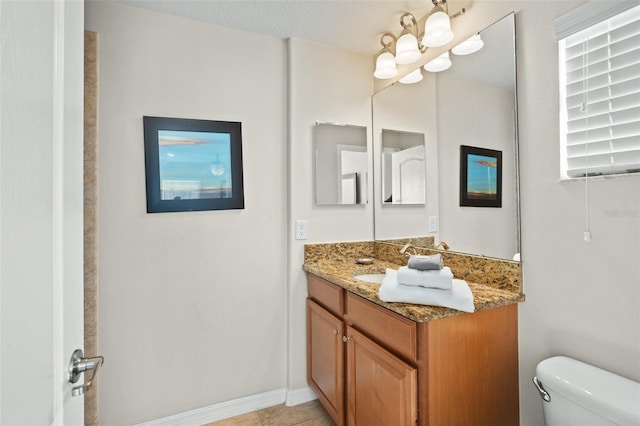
[(478, 189), (193, 165)]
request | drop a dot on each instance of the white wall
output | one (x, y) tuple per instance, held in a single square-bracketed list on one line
[(477, 115), (192, 305), (331, 86)]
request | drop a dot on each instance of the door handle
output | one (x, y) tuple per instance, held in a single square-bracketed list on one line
[(78, 365)]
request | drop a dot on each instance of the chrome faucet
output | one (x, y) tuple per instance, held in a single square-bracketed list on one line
[(406, 247)]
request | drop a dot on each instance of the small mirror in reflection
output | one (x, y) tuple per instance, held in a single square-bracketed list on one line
[(403, 167)]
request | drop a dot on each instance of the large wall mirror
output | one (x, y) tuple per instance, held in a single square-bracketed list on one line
[(473, 103), (341, 164)]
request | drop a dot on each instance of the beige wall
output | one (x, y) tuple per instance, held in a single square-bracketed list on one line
[(192, 305)]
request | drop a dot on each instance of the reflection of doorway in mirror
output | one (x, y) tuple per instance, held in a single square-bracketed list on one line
[(403, 167), (407, 171), (352, 172), (387, 185), (349, 189)]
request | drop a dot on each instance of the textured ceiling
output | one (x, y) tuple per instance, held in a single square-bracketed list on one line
[(351, 25)]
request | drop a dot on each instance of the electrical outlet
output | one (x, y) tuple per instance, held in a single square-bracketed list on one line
[(433, 224), (301, 229)]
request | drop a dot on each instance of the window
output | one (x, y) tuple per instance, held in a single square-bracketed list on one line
[(599, 60)]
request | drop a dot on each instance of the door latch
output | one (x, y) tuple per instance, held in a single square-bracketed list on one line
[(78, 365)]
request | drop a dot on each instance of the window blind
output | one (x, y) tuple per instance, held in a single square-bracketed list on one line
[(600, 97)]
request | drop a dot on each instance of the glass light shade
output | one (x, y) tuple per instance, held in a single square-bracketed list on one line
[(440, 63), (437, 30), (385, 66), (412, 77), (470, 45), (407, 50)]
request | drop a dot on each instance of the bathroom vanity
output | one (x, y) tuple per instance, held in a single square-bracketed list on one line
[(377, 363)]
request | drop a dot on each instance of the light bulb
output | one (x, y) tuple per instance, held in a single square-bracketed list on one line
[(440, 63), (385, 66), (407, 50), (470, 45), (412, 77), (437, 30)]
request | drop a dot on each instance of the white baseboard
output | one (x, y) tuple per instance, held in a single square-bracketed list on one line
[(299, 396), (225, 410), (235, 407)]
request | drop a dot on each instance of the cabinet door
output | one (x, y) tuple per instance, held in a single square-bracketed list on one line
[(325, 359), (381, 388)]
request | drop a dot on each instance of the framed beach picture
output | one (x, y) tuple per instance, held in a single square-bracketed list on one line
[(480, 177), (193, 164)]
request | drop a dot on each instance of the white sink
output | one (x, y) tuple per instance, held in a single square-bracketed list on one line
[(370, 278)]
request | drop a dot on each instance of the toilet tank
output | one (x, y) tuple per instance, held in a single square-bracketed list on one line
[(583, 395)]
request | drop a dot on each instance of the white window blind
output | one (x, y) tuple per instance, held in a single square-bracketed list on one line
[(600, 96)]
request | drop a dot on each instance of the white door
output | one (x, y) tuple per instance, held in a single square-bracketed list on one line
[(41, 137)]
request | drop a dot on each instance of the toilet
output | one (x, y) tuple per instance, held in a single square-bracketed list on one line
[(580, 394)]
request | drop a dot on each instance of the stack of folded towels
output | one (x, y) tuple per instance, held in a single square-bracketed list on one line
[(426, 281)]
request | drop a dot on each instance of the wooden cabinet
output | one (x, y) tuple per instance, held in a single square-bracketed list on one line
[(371, 366)]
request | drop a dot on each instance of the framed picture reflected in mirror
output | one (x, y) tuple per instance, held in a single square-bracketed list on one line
[(480, 177)]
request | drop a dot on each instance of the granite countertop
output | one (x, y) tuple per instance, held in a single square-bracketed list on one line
[(341, 273)]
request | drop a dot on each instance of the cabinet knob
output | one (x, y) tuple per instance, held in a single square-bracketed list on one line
[(345, 339), (336, 332)]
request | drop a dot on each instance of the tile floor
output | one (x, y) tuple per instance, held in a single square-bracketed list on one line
[(307, 414)]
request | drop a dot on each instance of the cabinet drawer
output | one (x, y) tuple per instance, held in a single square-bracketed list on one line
[(388, 328), (326, 294)]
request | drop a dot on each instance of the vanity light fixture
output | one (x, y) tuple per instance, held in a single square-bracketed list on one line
[(385, 62), (440, 63), (408, 49), (411, 43), (469, 46), (412, 77)]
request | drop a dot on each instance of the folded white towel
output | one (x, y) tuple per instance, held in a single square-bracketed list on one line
[(441, 278), (459, 297)]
